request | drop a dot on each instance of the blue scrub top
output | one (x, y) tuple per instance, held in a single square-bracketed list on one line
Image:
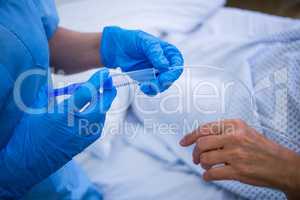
[(24, 31), (25, 28)]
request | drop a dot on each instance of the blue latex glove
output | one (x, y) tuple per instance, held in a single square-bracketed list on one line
[(43, 143), (133, 50)]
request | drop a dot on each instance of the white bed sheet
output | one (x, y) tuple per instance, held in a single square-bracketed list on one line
[(130, 174)]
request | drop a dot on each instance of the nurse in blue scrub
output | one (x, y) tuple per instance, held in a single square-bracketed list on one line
[(37, 144)]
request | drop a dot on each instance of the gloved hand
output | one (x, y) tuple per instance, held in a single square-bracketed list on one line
[(43, 143), (133, 50)]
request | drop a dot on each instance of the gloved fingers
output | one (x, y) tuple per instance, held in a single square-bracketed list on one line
[(103, 103), (173, 54), (162, 83), (87, 93), (154, 52), (166, 79), (150, 88)]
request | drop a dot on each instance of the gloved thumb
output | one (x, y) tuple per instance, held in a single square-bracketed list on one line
[(88, 91)]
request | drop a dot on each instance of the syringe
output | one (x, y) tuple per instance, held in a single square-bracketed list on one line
[(119, 80)]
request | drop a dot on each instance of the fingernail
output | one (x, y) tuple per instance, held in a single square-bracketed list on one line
[(182, 142), (194, 161)]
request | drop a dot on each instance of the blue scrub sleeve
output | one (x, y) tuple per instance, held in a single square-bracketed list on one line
[(49, 16)]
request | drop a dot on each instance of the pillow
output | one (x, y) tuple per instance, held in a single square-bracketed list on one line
[(155, 16)]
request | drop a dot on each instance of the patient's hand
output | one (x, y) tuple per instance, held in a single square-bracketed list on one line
[(244, 155)]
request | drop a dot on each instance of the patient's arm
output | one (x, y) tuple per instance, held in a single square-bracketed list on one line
[(246, 155), (73, 51)]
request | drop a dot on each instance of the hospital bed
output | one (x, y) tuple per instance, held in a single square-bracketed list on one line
[(133, 165)]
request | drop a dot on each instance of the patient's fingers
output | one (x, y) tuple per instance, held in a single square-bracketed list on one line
[(213, 128), (208, 144), (211, 142), (215, 157), (191, 138), (225, 172), (196, 155)]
